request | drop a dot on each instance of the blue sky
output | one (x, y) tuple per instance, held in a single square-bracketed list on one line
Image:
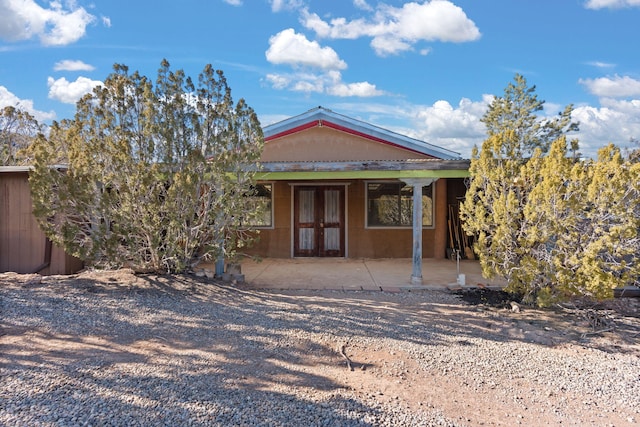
[(426, 69)]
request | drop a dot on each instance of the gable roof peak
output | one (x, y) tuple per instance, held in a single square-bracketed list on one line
[(321, 116)]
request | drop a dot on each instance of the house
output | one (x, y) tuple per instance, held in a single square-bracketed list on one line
[(340, 187), (24, 248), (335, 187)]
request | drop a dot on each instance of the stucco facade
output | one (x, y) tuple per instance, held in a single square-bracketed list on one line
[(361, 241), (332, 177)]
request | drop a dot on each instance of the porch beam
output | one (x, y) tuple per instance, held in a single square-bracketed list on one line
[(382, 174), (366, 165), (417, 184)]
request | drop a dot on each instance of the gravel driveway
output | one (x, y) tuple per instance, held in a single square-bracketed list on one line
[(112, 348)]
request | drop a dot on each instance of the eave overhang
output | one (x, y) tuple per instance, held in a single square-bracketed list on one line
[(419, 168)]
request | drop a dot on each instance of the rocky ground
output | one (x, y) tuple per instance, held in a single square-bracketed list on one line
[(112, 348)]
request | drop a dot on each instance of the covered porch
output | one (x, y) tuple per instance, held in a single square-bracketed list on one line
[(356, 237), (348, 274), (349, 191)]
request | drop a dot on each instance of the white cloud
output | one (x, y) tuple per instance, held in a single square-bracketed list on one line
[(615, 121), (455, 128), (600, 64), (288, 47), (362, 4), (106, 21), (55, 26), (360, 89), (234, 2), (70, 92), (611, 4), (458, 127), (394, 30), (280, 5), (614, 87), (8, 99), (279, 81), (336, 87), (72, 65), (329, 83), (448, 122), (384, 46)]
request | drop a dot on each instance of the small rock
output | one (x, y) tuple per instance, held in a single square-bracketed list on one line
[(515, 307)]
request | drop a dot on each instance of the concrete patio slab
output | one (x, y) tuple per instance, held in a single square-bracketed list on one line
[(392, 275)]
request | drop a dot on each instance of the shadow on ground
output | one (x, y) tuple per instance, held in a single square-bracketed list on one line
[(154, 349)]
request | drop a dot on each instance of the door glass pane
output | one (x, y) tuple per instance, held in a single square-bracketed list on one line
[(305, 207), (305, 241), (332, 206), (332, 239)]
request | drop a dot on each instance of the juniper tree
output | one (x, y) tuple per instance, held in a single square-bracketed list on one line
[(552, 225), (582, 226), (493, 208), (157, 175), (503, 172), (516, 111), (18, 130), (609, 250)]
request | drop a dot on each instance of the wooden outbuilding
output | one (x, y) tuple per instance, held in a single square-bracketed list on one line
[(24, 248)]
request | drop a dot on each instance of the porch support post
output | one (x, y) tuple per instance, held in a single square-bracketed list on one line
[(417, 184), (220, 266)]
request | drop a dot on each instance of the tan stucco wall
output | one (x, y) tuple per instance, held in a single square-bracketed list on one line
[(276, 242), (392, 242), (362, 242), (324, 144)]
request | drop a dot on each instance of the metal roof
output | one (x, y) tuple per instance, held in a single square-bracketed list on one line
[(13, 169)]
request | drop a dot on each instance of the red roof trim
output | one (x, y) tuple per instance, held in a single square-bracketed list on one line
[(315, 123), (321, 123)]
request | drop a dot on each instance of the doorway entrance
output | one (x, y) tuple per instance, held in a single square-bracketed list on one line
[(318, 213)]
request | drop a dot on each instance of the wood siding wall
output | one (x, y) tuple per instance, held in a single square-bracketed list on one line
[(362, 242), (22, 243)]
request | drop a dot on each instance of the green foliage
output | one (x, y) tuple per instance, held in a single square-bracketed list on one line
[(516, 111), (551, 225), (494, 208), (157, 174), (18, 129), (611, 223)]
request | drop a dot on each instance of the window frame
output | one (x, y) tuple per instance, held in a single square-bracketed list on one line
[(271, 210), (397, 227)]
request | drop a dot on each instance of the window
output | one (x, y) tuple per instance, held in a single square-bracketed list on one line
[(390, 204), (261, 201)]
